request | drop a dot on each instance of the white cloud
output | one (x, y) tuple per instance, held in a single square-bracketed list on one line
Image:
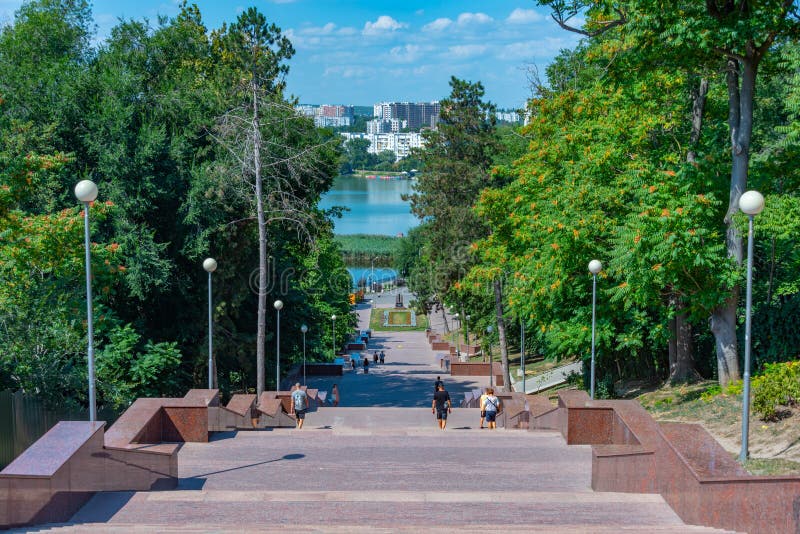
[(526, 50), (405, 54), (384, 24), (473, 18), (316, 30), (348, 72), (437, 25), (523, 16), (465, 51), (347, 30)]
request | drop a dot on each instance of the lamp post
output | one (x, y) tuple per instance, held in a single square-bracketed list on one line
[(210, 265), (458, 341), (489, 330), (304, 329), (86, 192), (372, 276), (594, 267), (278, 306), (751, 203), (333, 340), (466, 331), (522, 352)]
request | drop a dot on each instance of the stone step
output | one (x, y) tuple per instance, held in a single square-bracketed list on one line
[(241, 528), (219, 511)]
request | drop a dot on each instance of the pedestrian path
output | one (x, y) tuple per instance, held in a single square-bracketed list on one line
[(407, 377), (380, 477)]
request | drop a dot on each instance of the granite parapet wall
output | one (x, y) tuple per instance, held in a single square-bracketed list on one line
[(701, 481)]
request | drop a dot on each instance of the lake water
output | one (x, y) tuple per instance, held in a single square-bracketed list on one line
[(376, 206)]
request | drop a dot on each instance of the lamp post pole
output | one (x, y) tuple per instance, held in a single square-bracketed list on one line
[(522, 352), (210, 265), (333, 340), (278, 306), (751, 203), (594, 267), (489, 330), (458, 341), (86, 192), (304, 329), (466, 332)]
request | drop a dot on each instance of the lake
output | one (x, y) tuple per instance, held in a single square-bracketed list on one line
[(376, 206)]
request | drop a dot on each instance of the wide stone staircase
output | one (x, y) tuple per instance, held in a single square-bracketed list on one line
[(380, 470)]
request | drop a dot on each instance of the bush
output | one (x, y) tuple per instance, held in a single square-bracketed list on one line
[(779, 385)]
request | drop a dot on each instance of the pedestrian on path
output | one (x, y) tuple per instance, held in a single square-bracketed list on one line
[(437, 384), (483, 412), (441, 405), (366, 365), (299, 405), (383, 357), (375, 357), (490, 405), (335, 395)]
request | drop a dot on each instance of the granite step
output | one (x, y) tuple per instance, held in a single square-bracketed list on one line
[(240, 528)]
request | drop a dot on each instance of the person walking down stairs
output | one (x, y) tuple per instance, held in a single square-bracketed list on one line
[(299, 405), (441, 405)]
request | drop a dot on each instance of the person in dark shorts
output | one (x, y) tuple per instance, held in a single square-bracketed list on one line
[(299, 405), (366, 365), (441, 405), (383, 357), (490, 406)]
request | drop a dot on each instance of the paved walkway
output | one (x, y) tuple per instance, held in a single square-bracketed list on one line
[(379, 464), (407, 377)]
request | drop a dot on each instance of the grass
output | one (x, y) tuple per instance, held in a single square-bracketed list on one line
[(774, 446), (362, 248), (376, 323)]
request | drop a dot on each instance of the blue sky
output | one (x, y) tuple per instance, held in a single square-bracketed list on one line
[(365, 51)]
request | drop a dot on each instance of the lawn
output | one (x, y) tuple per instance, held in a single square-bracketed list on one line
[(376, 322)]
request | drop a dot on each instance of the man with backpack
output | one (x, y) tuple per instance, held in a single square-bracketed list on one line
[(299, 405), (441, 405)]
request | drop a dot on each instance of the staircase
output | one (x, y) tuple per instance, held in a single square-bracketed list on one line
[(380, 470)]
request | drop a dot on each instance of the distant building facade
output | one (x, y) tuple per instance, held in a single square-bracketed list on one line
[(399, 143), (416, 115), (327, 116)]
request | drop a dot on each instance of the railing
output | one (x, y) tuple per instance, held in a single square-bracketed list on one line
[(24, 419), (550, 378)]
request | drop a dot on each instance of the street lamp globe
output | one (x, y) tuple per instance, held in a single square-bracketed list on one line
[(278, 305), (210, 265), (489, 329), (751, 202), (595, 266), (304, 329), (333, 317), (86, 191)]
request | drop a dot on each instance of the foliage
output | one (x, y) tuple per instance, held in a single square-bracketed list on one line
[(136, 114), (778, 385)]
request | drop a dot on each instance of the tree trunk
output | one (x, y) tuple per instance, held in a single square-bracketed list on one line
[(501, 333), (683, 370), (262, 251), (681, 358), (740, 121), (672, 344), (444, 319)]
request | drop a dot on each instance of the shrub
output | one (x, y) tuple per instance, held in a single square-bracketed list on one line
[(779, 385)]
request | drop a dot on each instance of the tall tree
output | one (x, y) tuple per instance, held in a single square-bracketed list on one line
[(740, 34), (458, 157)]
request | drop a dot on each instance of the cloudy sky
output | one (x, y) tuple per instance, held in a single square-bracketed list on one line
[(365, 51)]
